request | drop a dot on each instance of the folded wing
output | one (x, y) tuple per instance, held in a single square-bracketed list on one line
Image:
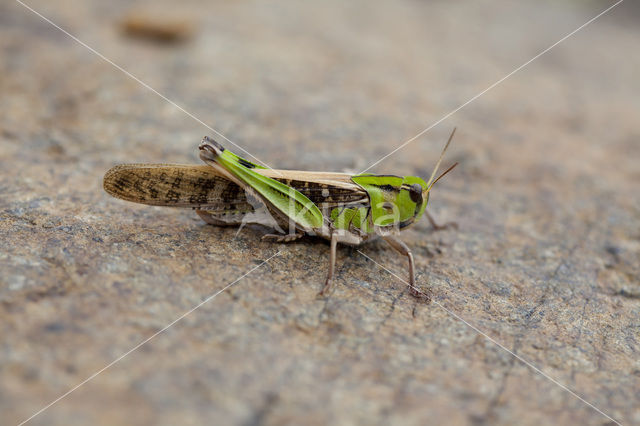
[(202, 188)]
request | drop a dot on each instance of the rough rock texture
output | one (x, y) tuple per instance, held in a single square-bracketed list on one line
[(546, 261)]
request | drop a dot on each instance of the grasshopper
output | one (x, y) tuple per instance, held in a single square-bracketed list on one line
[(232, 191)]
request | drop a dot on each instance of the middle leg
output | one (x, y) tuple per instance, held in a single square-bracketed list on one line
[(332, 265)]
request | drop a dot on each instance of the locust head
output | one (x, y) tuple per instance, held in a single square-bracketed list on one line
[(414, 194), (397, 201)]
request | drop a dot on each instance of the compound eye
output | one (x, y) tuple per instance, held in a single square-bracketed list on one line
[(415, 193)]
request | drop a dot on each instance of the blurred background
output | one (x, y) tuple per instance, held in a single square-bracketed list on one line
[(546, 260)]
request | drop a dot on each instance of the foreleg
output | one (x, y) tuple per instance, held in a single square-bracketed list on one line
[(437, 227)]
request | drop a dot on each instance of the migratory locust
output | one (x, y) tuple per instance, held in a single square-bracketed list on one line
[(229, 190)]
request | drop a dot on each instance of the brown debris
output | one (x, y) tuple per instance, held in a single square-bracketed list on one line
[(160, 28)]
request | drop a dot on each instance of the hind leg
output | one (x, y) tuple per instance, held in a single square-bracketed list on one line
[(212, 220)]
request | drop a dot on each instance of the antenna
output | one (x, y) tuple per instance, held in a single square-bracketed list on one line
[(435, 169), (446, 171)]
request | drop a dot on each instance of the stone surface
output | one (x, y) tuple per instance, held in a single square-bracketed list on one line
[(546, 261)]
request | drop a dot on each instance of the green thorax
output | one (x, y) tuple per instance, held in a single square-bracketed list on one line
[(395, 200)]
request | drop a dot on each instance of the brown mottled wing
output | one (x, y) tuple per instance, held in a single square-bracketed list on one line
[(175, 185)]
